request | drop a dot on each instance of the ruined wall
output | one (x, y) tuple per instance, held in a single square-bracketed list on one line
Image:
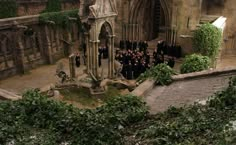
[(24, 49), (33, 7), (188, 14)]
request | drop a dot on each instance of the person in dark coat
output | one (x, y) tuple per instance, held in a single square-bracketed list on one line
[(77, 60), (134, 45), (99, 59), (129, 71), (145, 46), (171, 62), (84, 48)]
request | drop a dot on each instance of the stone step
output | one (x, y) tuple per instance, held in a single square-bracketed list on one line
[(6, 95)]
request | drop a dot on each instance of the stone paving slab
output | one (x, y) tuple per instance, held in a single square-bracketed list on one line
[(185, 92)]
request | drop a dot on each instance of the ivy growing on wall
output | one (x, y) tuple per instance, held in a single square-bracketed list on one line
[(53, 6), (60, 19), (8, 8), (207, 40)]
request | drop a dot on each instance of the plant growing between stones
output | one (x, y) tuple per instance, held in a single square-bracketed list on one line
[(195, 63), (161, 73), (122, 121), (8, 8), (207, 40), (61, 19)]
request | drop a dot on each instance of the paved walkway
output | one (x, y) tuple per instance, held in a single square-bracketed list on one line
[(184, 92), (36, 78)]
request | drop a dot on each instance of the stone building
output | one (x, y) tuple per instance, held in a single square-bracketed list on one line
[(170, 20)]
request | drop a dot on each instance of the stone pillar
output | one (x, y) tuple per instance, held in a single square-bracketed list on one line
[(96, 58), (48, 46), (69, 40), (72, 65), (88, 56), (20, 56), (111, 60)]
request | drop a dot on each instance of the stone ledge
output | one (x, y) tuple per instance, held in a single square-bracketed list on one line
[(6, 95), (143, 88), (205, 73), (147, 85), (23, 20)]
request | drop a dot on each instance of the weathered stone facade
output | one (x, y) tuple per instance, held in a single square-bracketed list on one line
[(20, 52), (33, 7), (177, 18)]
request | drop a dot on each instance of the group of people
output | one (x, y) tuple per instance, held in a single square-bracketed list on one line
[(134, 62), (133, 45), (136, 59), (102, 53), (162, 54)]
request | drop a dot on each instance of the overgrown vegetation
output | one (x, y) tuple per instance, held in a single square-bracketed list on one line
[(161, 73), (83, 96), (207, 40), (122, 121), (195, 63), (53, 6), (37, 119), (60, 19), (8, 8), (209, 124)]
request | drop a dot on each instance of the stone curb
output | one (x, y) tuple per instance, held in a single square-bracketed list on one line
[(143, 88), (6, 95), (205, 73), (147, 85)]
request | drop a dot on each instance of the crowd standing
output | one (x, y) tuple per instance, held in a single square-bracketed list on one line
[(136, 58)]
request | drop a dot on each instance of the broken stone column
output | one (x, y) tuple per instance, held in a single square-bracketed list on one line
[(48, 46), (72, 66), (20, 57)]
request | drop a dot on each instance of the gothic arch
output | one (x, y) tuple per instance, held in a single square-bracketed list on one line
[(5, 44), (138, 14)]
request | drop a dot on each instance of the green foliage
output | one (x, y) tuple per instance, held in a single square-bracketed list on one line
[(225, 98), (193, 125), (61, 19), (161, 73), (195, 63), (53, 6), (38, 120), (8, 8), (207, 40)]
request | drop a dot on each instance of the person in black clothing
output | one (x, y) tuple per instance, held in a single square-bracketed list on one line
[(171, 62), (84, 48), (145, 46), (129, 71), (134, 45), (77, 60), (122, 44), (99, 59)]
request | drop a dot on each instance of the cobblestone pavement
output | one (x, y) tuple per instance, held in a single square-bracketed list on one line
[(184, 92)]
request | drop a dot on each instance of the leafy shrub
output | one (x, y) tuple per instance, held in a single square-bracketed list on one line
[(225, 98), (207, 40), (61, 19), (8, 8), (161, 73), (53, 6), (194, 63), (195, 124), (36, 118)]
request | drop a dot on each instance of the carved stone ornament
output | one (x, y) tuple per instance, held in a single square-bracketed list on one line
[(103, 8)]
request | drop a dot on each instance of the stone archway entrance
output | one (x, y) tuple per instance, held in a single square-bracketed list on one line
[(106, 50), (102, 16)]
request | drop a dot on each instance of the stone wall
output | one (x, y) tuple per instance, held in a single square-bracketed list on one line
[(184, 17), (33, 7), (23, 49)]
